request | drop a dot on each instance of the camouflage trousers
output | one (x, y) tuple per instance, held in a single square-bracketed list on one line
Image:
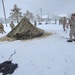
[(72, 32), (64, 27)]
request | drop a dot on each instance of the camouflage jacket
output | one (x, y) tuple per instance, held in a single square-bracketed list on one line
[(72, 22)]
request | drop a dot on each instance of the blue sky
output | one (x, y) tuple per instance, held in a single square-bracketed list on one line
[(48, 6)]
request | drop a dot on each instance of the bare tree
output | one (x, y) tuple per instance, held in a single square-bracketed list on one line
[(15, 14), (29, 15), (41, 14)]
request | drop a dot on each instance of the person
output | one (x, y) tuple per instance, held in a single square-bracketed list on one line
[(12, 25), (55, 21), (35, 23), (64, 20), (72, 28), (2, 28)]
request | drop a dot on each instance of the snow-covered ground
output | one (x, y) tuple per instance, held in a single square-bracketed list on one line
[(51, 55)]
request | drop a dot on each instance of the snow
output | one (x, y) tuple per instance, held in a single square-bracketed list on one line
[(50, 55)]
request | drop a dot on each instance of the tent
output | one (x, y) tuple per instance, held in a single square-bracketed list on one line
[(25, 30)]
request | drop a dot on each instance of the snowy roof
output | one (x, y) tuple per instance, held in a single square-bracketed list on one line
[(45, 16), (62, 15)]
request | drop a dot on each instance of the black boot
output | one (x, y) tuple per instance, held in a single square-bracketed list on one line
[(69, 40), (73, 39)]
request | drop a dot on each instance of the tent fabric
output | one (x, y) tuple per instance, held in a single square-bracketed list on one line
[(25, 30)]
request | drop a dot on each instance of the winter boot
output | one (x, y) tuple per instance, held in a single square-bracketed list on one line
[(73, 39), (69, 40)]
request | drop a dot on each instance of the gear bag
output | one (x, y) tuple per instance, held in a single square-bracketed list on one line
[(7, 67)]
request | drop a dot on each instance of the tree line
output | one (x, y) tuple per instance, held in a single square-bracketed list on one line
[(16, 14)]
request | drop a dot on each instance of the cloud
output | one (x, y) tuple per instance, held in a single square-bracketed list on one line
[(48, 6)]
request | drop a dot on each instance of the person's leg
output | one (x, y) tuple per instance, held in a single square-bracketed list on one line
[(70, 34), (63, 27), (74, 33)]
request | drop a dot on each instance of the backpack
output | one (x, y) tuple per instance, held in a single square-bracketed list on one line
[(7, 67)]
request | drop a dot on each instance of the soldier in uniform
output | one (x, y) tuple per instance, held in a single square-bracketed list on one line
[(35, 23), (64, 20), (12, 25), (72, 28), (2, 28)]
